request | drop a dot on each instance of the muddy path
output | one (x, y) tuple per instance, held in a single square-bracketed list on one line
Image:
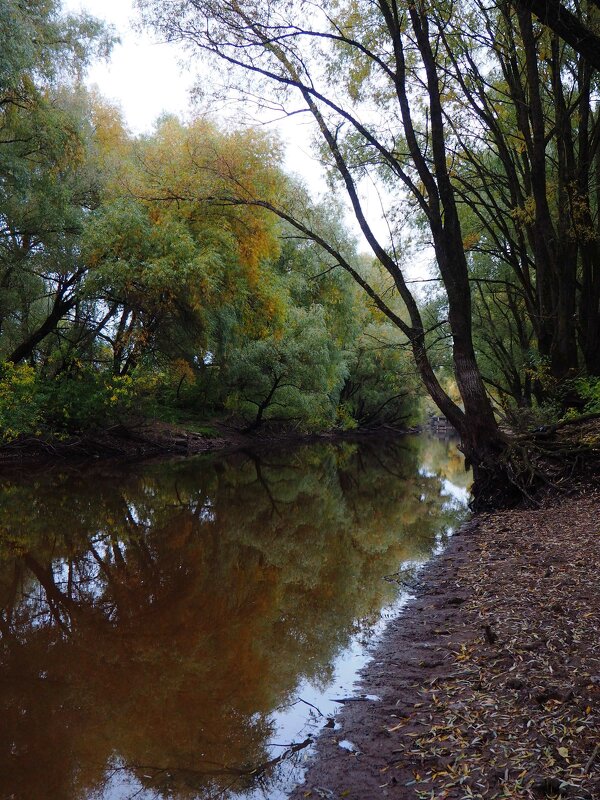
[(490, 680)]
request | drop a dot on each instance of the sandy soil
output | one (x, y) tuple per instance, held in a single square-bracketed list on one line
[(490, 680)]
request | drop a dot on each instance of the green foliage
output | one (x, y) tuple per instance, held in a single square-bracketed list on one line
[(83, 399), (20, 407), (381, 385), (289, 375), (38, 43), (72, 402), (49, 174), (127, 290), (589, 390)]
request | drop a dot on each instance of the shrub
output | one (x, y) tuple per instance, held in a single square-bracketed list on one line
[(589, 389), (20, 409), (84, 398)]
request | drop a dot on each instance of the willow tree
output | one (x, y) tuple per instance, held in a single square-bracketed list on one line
[(372, 78), (48, 180)]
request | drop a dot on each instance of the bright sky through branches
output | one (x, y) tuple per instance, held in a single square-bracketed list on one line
[(143, 76), (146, 78)]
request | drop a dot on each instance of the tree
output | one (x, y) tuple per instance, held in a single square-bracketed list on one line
[(372, 77), (525, 161), (181, 277), (289, 375), (568, 24), (40, 44), (381, 385), (45, 182)]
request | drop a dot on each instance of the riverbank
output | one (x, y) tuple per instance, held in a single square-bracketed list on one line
[(490, 679), (149, 439)]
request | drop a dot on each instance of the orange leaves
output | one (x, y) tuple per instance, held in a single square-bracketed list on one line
[(109, 130), (207, 181), (470, 241)]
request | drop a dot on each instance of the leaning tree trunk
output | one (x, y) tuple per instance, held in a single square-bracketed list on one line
[(482, 442)]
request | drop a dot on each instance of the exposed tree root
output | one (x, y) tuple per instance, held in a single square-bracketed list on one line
[(557, 458)]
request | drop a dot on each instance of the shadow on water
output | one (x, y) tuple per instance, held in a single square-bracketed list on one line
[(157, 623)]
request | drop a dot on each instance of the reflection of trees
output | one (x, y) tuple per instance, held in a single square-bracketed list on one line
[(442, 457), (155, 620)]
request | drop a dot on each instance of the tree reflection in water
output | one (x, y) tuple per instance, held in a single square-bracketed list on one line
[(153, 619)]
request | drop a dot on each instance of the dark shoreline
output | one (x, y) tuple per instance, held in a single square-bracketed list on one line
[(490, 678), (139, 442)]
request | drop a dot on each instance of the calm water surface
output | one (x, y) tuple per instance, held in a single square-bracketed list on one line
[(173, 630)]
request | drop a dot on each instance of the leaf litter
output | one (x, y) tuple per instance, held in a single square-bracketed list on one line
[(490, 680)]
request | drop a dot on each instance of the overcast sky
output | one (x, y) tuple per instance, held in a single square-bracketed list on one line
[(143, 76)]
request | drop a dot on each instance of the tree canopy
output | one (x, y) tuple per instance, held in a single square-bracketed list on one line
[(185, 271), (126, 282), (480, 122)]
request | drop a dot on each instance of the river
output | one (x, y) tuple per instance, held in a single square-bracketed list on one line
[(184, 629)]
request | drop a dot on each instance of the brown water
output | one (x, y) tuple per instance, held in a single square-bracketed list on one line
[(168, 630)]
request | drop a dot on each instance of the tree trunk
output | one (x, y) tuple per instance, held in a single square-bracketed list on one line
[(482, 441), (26, 348)]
